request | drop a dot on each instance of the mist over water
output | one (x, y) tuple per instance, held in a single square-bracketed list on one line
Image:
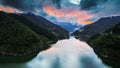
[(68, 53)]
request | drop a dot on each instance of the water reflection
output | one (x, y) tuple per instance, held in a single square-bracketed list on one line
[(68, 53)]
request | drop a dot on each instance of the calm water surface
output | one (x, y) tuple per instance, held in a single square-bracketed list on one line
[(68, 53)]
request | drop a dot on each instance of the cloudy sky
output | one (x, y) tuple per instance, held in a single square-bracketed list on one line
[(72, 11)]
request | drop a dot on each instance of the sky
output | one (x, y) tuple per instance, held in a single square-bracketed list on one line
[(72, 11)]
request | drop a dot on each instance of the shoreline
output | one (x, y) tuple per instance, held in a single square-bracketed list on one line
[(110, 61), (13, 57)]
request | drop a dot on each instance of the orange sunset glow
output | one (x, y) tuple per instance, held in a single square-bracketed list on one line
[(81, 16), (9, 10), (88, 22)]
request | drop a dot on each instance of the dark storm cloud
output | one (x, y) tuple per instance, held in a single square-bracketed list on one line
[(87, 4), (111, 7), (23, 5), (57, 3), (29, 5), (101, 7), (90, 4)]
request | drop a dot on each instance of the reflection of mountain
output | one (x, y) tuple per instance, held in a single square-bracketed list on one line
[(99, 26), (107, 45), (42, 22), (68, 26)]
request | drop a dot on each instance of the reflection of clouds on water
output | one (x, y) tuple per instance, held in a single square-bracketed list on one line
[(69, 53), (91, 62)]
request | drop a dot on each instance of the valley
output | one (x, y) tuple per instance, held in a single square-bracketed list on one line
[(23, 38)]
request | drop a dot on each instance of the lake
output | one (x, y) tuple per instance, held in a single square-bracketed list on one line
[(67, 53)]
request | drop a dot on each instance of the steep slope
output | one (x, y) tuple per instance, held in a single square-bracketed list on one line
[(107, 45), (42, 22), (17, 39), (39, 30), (101, 25)]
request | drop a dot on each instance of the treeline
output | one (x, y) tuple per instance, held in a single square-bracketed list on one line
[(107, 45), (39, 30), (19, 35)]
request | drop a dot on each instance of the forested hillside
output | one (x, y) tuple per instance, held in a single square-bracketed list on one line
[(59, 32), (107, 45), (99, 26), (19, 38), (39, 30)]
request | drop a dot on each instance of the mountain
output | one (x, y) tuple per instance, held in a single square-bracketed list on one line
[(20, 38), (107, 45), (44, 23), (36, 28), (99, 26), (70, 27)]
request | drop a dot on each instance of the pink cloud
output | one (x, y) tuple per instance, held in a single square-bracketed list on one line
[(9, 9), (80, 16)]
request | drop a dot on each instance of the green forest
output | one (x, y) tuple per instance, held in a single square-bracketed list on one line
[(23, 36), (107, 45)]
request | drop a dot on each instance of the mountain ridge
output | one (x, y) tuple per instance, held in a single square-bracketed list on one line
[(107, 45), (44, 23), (17, 30), (99, 26)]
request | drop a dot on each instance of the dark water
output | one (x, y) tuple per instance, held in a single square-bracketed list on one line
[(68, 53)]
